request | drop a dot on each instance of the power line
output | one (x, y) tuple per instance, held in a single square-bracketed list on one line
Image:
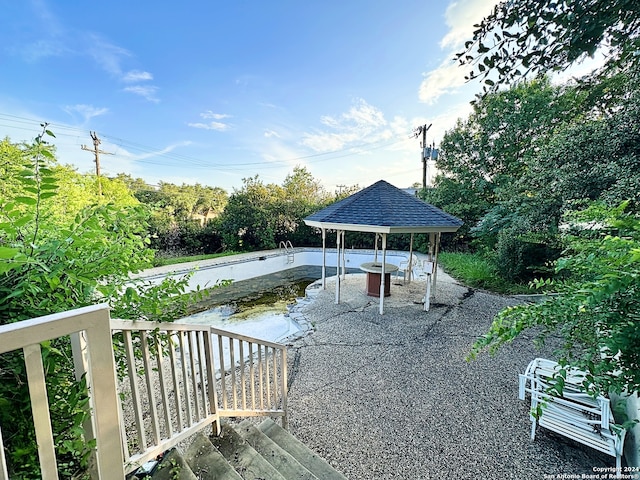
[(193, 161)]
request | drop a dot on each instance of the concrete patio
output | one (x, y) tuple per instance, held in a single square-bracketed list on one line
[(392, 396)]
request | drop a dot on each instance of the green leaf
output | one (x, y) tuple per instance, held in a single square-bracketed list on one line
[(6, 267), (46, 153), (26, 200), (8, 252)]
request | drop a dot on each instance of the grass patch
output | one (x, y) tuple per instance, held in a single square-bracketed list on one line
[(162, 261), (478, 272)]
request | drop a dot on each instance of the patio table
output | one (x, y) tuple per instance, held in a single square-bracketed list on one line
[(374, 275)]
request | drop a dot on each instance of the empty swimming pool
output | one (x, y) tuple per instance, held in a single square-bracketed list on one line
[(256, 272)]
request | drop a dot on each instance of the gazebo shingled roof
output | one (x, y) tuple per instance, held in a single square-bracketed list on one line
[(383, 208)]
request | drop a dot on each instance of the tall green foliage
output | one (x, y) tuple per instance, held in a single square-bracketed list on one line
[(595, 309), (259, 216), (527, 37), (53, 260)]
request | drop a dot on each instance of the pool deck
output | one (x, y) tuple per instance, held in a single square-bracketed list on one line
[(392, 397)]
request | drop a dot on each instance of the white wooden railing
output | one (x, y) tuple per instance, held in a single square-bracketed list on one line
[(171, 381)]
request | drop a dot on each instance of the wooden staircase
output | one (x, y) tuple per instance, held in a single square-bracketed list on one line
[(246, 451)]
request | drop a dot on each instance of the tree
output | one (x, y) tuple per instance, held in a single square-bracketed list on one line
[(524, 38), (52, 262), (250, 219), (260, 216), (484, 156), (595, 309)]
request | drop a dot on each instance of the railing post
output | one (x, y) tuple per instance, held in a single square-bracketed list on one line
[(40, 411), (81, 368), (102, 372), (285, 420)]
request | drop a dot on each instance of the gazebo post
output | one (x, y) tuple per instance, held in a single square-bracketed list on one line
[(432, 246), (375, 257), (324, 259), (344, 262), (435, 262), (338, 235), (382, 275), (410, 266)]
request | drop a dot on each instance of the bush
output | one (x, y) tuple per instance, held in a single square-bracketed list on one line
[(523, 257)]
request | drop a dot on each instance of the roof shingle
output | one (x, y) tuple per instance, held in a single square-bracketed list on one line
[(382, 207)]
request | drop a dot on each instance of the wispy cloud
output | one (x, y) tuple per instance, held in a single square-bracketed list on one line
[(214, 124), (107, 56), (460, 17), (271, 133), (110, 58), (86, 111), (144, 156), (445, 79), (134, 76), (210, 126), (215, 116), (148, 92), (362, 122)]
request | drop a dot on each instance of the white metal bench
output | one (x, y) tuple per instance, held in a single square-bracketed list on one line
[(575, 414)]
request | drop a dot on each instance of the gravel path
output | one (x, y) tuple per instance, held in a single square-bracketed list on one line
[(391, 396)]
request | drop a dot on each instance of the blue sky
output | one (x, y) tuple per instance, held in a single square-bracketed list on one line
[(211, 91)]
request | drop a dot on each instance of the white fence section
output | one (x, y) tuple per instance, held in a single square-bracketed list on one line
[(89, 326), (165, 382)]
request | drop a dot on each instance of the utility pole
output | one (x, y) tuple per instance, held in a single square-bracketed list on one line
[(426, 152), (96, 151)]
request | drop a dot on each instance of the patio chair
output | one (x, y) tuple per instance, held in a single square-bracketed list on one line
[(405, 268), (583, 417)]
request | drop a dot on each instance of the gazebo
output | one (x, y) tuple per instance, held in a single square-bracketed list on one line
[(381, 209)]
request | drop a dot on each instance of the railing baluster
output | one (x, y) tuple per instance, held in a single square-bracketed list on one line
[(267, 376), (194, 373), (40, 412), (135, 391), (163, 386), (202, 359), (274, 352), (4, 473), (252, 377), (243, 377), (232, 367), (151, 396), (284, 387), (260, 385), (176, 383), (211, 379), (223, 372), (185, 375)]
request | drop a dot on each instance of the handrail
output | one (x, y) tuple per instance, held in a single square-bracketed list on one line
[(287, 246), (90, 327), (194, 374), (174, 380)]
